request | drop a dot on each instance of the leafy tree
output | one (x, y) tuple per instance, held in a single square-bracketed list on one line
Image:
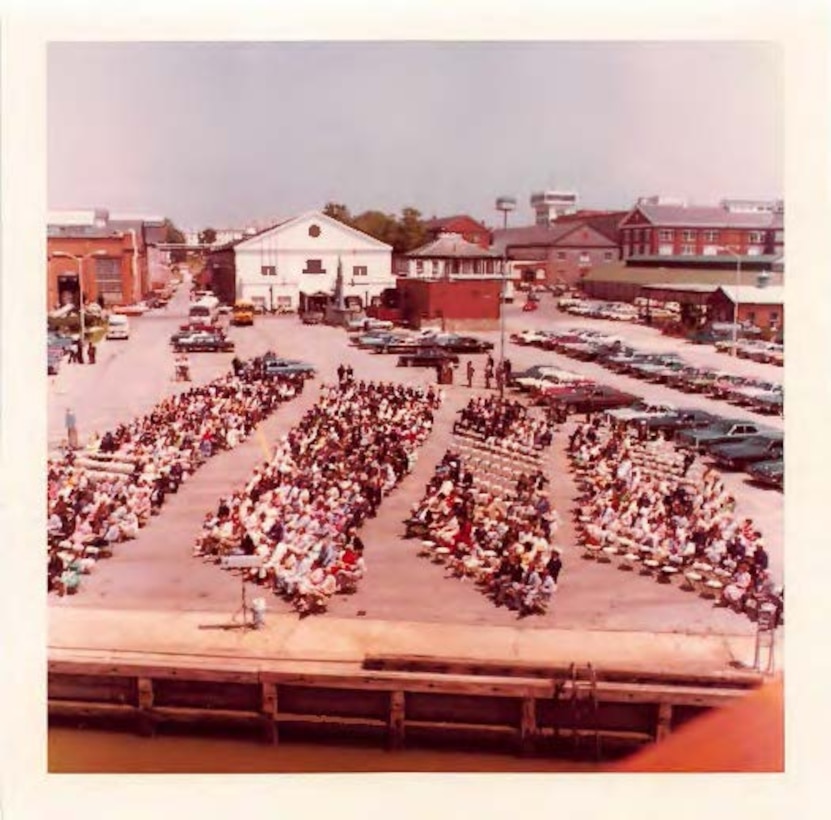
[(411, 233), (207, 237), (174, 236), (378, 224)]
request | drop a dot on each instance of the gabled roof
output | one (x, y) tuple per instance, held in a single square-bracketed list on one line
[(450, 245), (750, 295), (682, 216), (318, 216), (548, 235), (439, 222)]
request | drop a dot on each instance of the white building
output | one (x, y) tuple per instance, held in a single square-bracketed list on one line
[(548, 205), (297, 260)]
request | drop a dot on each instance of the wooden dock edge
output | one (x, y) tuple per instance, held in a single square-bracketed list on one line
[(522, 707)]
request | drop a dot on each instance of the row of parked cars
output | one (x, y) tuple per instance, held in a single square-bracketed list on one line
[(425, 349), (757, 350), (733, 444), (660, 368)]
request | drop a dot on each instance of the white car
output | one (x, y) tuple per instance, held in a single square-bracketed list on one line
[(640, 410), (118, 327)]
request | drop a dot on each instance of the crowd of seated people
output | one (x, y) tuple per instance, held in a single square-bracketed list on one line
[(654, 515), (300, 512), (102, 496), (504, 421), (500, 536)]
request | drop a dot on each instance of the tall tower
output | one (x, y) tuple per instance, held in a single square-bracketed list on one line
[(548, 205)]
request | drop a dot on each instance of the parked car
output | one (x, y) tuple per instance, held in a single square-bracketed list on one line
[(311, 318), (770, 473), (118, 327), (721, 432), (738, 455), (682, 419), (201, 342), (59, 341), (463, 344), (376, 339), (640, 410), (589, 399), (427, 357), (275, 366)]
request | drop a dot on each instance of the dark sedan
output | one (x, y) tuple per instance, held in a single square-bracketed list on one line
[(719, 433), (464, 344), (682, 419), (427, 357), (770, 473), (590, 399), (737, 456)]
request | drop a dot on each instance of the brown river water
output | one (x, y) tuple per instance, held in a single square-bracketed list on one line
[(93, 751)]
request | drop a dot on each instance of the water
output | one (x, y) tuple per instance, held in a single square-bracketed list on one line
[(80, 751)]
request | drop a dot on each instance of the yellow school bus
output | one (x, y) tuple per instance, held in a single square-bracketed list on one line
[(243, 313)]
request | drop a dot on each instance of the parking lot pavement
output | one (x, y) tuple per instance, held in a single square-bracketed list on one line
[(399, 586)]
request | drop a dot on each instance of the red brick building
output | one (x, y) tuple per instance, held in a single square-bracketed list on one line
[(679, 230), (113, 265), (452, 304), (762, 307), (465, 226), (562, 253)]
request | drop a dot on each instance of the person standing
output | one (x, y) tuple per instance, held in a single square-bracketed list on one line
[(91, 351), (71, 429), (470, 372)]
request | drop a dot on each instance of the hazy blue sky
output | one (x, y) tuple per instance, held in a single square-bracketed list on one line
[(222, 134)]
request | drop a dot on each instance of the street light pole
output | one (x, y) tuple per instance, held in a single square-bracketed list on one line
[(736, 305), (735, 333), (80, 261), (506, 204)]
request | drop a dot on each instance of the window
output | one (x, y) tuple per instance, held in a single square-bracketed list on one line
[(268, 270), (108, 279), (419, 267), (314, 231), (642, 250), (774, 316), (711, 236), (561, 255), (608, 255), (435, 268), (688, 236), (284, 301), (665, 250), (314, 266), (585, 259), (755, 236), (687, 250), (637, 235), (359, 270), (752, 317), (665, 236)]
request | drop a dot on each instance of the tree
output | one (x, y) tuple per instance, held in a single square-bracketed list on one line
[(411, 231), (207, 237), (173, 236), (378, 224), (338, 211)]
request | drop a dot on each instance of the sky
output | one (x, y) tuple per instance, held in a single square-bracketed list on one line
[(226, 134)]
